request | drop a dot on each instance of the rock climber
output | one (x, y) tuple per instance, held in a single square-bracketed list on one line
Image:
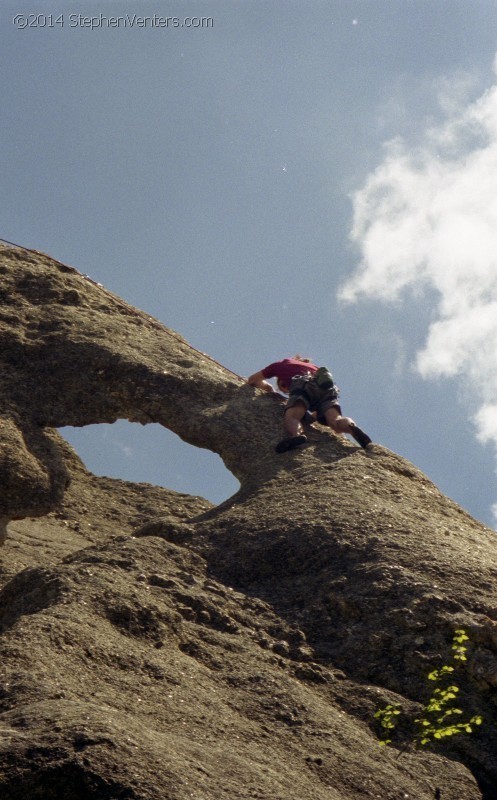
[(310, 390)]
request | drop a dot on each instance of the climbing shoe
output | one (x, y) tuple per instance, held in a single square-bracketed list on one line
[(290, 444), (360, 437)]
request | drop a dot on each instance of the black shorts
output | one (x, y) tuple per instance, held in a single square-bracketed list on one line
[(303, 389)]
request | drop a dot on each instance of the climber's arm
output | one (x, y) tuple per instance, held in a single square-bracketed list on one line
[(258, 380)]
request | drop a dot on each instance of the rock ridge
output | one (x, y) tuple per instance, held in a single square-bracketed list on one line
[(155, 646)]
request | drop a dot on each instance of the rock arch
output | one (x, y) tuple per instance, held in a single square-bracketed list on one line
[(357, 551)]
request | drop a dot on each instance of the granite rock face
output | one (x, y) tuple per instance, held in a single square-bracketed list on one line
[(154, 646)]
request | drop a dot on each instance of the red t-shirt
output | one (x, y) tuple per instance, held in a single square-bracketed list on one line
[(287, 369)]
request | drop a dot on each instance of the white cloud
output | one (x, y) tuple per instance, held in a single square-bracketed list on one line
[(486, 420), (426, 219)]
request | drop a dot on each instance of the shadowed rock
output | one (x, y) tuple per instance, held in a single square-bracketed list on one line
[(158, 647)]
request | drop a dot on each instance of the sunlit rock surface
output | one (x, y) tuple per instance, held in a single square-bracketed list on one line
[(156, 647)]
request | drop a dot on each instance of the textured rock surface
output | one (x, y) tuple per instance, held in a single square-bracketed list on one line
[(153, 646)]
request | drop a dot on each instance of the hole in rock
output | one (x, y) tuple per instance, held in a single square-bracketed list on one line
[(151, 454)]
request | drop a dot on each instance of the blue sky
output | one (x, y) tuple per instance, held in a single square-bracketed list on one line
[(312, 177)]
